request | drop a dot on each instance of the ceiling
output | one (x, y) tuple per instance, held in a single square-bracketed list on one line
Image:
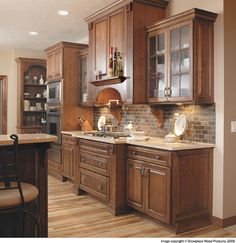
[(18, 17)]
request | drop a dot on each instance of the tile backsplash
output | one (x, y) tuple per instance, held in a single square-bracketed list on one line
[(201, 120)]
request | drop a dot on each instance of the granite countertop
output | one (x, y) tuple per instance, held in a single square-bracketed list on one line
[(152, 142), (28, 138)]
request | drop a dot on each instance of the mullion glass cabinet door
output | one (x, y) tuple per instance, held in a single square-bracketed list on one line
[(180, 77), (156, 67)]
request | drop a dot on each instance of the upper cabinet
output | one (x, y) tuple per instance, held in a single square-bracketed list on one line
[(121, 26), (180, 58)]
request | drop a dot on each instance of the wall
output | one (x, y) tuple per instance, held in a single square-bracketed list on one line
[(8, 67), (229, 108), (201, 120)]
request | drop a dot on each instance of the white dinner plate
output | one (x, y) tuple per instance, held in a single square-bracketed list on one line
[(180, 125), (101, 122)]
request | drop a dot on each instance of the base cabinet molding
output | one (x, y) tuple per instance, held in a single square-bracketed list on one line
[(173, 188), (100, 171)]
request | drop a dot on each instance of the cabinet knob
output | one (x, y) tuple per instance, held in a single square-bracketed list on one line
[(165, 92), (169, 92), (134, 153), (82, 159), (158, 157), (100, 187), (100, 164)]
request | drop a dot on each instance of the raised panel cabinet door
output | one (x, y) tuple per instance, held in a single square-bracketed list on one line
[(58, 74), (135, 184), (180, 87), (100, 46), (72, 155), (66, 160), (157, 192), (50, 65)]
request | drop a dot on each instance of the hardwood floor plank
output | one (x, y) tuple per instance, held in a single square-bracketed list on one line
[(83, 216)]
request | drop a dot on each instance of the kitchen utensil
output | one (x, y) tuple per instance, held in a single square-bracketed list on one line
[(101, 122), (180, 125)]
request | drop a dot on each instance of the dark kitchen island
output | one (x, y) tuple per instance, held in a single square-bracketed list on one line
[(33, 169)]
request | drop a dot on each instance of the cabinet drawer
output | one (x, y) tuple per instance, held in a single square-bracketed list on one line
[(149, 155), (69, 139), (96, 147), (94, 162), (94, 184)]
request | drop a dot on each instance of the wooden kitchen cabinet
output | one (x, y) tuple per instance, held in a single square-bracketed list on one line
[(121, 25), (173, 188), (101, 172), (29, 72), (55, 64), (180, 58), (69, 156)]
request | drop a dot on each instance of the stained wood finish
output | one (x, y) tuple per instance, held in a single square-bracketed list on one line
[(201, 49), (122, 25), (3, 79), (177, 186), (23, 65), (69, 156), (33, 170), (101, 171), (83, 216)]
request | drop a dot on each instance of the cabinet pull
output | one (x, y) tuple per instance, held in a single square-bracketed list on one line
[(100, 187), (100, 164), (82, 159), (158, 157), (165, 92), (134, 153), (169, 92)]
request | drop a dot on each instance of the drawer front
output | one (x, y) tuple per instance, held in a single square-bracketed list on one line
[(54, 168), (94, 162), (96, 147), (94, 184), (67, 139), (149, 155)]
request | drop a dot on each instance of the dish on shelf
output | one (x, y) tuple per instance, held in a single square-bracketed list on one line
[(27, 94)]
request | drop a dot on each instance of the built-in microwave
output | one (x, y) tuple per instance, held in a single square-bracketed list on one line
[(54, 92)]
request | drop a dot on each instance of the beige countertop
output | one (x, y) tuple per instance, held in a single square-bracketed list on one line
[(152, 142), (28, 138)]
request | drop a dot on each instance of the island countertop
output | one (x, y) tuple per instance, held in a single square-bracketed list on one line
[(28, 138)]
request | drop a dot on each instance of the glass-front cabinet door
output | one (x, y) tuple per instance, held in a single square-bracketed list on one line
[(157, 67), (180, 84)]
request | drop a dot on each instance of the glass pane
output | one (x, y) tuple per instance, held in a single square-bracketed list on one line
[(152, 48), (175, 86), (152, 88), (185, 85), (175, 37), (160, 64), (174, 62), (185, 61), (161, 85), (161, 43), (152, 68), (185, 36)]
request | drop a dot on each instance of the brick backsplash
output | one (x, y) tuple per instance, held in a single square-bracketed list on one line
[(201, 120)]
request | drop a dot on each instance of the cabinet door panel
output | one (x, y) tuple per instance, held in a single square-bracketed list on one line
[(58, 64), (117, 31), (50, 66), (101, 46), (135, 184), (66, 158), (157, 185)]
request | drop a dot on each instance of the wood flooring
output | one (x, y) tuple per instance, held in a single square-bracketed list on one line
[(83, 216)]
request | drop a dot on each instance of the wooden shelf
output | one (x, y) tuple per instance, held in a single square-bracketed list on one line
[(34, 112), (108, 81), (33, 127), (36, 85), (35, 98)]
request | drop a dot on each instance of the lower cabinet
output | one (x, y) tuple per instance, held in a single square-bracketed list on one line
[(101, 172), (69, 156), (172, 188)]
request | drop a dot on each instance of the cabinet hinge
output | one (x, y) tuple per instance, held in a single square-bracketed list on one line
[(129, 7), (90, 26)]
